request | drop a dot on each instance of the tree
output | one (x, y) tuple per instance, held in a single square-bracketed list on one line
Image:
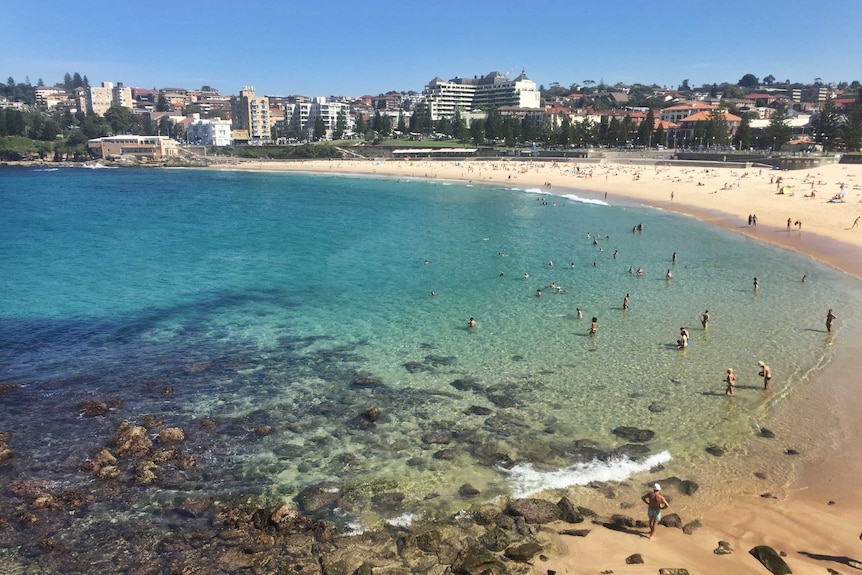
[(778, 131), (402, 123), (361, 125), (827, 125), (459, 127), (684, 87), (851, 131), (319, 128), (444, 126), (122, 120), (77, 81), (646, 129), (493, 125), (742, 137), (748, 81), (162, 104), (67, 82), (660, 135), (769, 80), (340, 125), (477, 131)]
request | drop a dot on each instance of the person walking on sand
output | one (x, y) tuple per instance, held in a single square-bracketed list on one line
[(765, 373), (855, 223), (829, 317), (704, 319), (656, 503)]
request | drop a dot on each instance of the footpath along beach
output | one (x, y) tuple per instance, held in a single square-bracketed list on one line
[(817, 520)]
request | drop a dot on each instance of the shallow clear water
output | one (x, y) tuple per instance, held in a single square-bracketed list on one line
[(264, 299)]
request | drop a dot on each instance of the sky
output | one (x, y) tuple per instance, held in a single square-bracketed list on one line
[(354, 48)]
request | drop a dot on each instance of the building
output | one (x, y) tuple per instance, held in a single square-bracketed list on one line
[(99, 99), (251, 113), (52, 97), (681, 111), (490, 91), (152, 148), (302, 114)]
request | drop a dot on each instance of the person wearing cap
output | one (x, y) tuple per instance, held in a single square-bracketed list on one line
[(730, 380), (655, 504), (765, 373)]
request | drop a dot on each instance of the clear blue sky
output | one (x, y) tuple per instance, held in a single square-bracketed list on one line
[(351, 48)]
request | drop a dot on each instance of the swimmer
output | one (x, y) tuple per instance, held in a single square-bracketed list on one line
[(756, 285), (616, 254), (669, 274), (594, 327), (550, 264), (538, 293), (704, 319), (673, 257), (433, 293), (631, 269), (640, 272), (426, 262), (471, 322), (526, 275), (580, 313)]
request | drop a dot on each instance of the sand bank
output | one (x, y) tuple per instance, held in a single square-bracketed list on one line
[(816, 519)]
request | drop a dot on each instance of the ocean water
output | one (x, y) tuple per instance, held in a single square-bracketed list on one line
[(225, 301)]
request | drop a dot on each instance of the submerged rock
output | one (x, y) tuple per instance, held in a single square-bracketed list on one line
[(6, 452), (634, 434), (171, 435), (714, 450), (92, 408), (416, 367), (103, 465), (476, 560), (766, 433), (317, 497)]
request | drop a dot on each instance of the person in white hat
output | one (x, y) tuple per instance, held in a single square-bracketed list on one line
[(655, 504), (765, 373)]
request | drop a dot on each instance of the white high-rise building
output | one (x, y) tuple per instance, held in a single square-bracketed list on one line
[(208, 132), (490, 91)]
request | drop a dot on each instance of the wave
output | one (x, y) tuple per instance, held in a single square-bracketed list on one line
[(46, 169), (526, 481), (581, 200)]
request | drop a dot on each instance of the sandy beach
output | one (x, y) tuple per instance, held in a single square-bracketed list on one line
[(815, 520)]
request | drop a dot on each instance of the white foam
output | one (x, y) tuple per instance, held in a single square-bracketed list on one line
[(581, 200), (404, 520), (527, 481)]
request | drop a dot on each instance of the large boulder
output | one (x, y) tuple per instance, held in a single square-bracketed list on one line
[(770, 559), (534, 510), (569, 512), (476, 560), (103, 465), (524, 552), (172, 435), (317, 497)]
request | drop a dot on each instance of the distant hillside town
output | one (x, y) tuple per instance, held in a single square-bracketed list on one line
[(492, 109)]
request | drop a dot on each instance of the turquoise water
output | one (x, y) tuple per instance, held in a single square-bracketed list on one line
[(225, 301)]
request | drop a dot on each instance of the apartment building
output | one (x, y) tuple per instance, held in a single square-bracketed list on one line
[(208, 132), (676, 114), (251, 113), (302, 115), (98, 99), (148, 148), (490, 91)]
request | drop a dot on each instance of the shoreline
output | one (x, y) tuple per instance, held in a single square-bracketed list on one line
[(828, 537)]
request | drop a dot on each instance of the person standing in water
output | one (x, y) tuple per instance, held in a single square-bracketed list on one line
[(730, 380), (626, 302), (756, 285), (704, 319), (765, 373), (594, 327), (829, 317), (471, 322)]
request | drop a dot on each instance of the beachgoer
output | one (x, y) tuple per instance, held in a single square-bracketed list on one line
[(730, 380), (671, 196), (684, 338), (550, 264), (631, 269), (673, 257), (626, 302), (754, 219), (829, 317), (538, 293), (426, 262), (656, 503), (580, 313), (804, 278), (669, 274), (756, 285), (526, 275), (749, 219), (594, 326), (704, 319), (788, 223), (433, 293), (855, 222), (765, 373), (640, 272), (471, 322)]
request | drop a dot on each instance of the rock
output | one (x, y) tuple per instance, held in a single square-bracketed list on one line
[(7, 387), (283, 513), (234, 560), (723, 548), (586, 450), (673, 571), (195, 507), (437, 438), (631, 451), (684, 486), (635, 559), (467, 384), (446, 454), (771, 560), (367, 382), (485, 515), (144, 473), (534, 510), (476, 560), (6, 452), (263, 430), (103, 465), (568, 512), (371, 414), (131, 441), (171, 435), (502, 399), (689, 528), (468, 490), (317, 497), (495, 539), (768, 434), (671, 520), (618, 520), (657, 407), (92, 408), (575, 532), (634, 435), (791, 452), (479, 410), (364, 569), (416, 367), (387, 502), (524, 552), (429, 541), (438, 360), (714, 450)]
